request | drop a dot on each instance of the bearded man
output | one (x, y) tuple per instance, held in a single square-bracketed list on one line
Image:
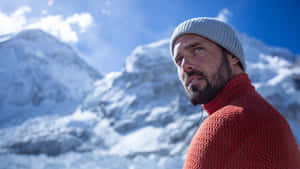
[(242, 130)]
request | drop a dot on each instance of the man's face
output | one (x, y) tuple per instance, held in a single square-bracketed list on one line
[(202, 67)]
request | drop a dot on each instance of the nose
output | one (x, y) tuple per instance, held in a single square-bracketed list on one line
[(186, 66)]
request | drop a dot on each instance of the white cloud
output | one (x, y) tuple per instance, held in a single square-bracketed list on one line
[(224, 15), (83, 20), (15, 21), (57, 25)]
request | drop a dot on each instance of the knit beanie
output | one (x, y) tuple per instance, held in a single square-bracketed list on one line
[(214, 30)]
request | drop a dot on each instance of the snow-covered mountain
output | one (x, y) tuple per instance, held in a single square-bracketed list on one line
[(40, 75), (137, 118)]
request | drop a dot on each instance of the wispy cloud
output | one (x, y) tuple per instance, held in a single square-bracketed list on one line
[(224, 15), (44, 12), (105, 12), (50, 2), (107, 9), (107, 2), (57, 25)]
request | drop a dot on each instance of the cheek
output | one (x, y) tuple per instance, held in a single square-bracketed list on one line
[(211, 65)]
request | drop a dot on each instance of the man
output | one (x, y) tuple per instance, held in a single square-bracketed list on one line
[(242, 129)]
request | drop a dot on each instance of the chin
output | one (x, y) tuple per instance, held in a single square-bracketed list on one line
[(194, 98), (199, 97)]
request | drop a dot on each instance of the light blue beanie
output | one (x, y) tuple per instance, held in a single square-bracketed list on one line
[(214, 30)]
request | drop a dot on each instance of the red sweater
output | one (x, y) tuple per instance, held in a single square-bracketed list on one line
[(242, 131)]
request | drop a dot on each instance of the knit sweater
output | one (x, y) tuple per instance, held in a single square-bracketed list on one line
[(242, 131)]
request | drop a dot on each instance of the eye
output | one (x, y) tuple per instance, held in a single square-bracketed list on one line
[(198, 49), (178, 60)]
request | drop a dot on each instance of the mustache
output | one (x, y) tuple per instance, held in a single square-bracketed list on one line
[(196, 72)]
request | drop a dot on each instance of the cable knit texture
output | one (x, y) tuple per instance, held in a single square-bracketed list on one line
[(242, 131)]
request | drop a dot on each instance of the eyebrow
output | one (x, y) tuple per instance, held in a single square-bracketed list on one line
[(192, 45)]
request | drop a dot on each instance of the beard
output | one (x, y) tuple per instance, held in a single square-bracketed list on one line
[(218, 81)]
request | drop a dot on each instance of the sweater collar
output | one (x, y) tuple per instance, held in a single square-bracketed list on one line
[(232, 89)]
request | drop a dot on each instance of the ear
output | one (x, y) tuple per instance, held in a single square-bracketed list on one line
[(232, 59), (234, 63)]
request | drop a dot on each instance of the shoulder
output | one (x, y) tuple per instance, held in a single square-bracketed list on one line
[(240, 119), (224, 124), (226, 116), (234, 123)]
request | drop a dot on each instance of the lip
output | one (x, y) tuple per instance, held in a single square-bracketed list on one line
[(191, 78)]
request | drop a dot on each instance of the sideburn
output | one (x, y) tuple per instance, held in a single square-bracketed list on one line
[(226, 68)]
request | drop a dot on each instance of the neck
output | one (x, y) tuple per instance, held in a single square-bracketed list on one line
[(233, 89)]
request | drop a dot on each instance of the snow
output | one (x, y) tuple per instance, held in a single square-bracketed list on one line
[(144, 140), (37, 76), (93, 160), (58, 112)]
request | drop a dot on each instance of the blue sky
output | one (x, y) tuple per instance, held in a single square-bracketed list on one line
[(105, 32)]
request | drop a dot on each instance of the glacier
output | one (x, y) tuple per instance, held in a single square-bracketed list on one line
[(56, 111)]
